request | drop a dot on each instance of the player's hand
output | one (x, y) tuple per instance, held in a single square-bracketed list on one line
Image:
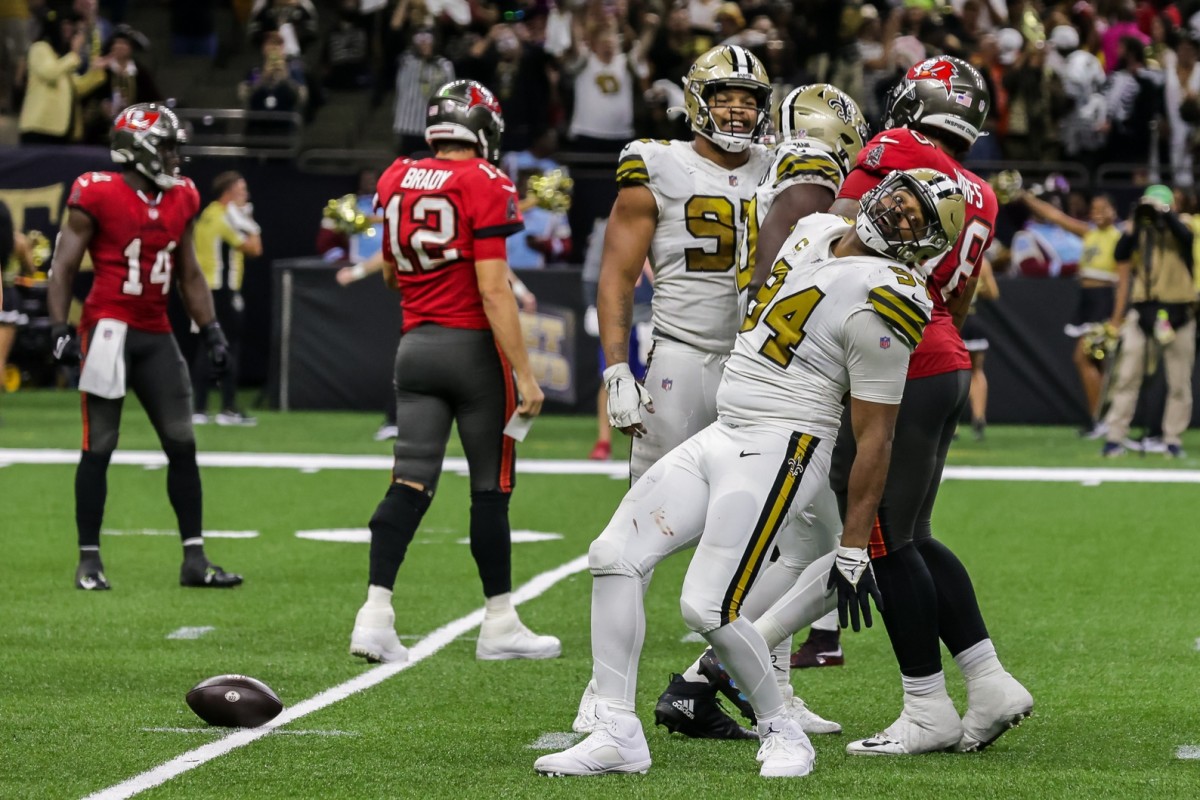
[(855, 582), (218, 349), (530, 395), (625, 400), (65, 345)]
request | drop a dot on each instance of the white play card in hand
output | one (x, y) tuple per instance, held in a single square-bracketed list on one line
[(518, 427)]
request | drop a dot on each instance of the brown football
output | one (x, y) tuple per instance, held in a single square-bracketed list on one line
[(234, 701)]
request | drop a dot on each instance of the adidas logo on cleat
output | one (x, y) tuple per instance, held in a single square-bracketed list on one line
[(687, 707)]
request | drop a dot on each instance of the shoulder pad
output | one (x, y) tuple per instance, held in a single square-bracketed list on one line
[(631, 168), (901, 312), (805, 164)]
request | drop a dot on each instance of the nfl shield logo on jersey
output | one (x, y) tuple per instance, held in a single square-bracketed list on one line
[(667, 383), (885, 342), (733, 180)]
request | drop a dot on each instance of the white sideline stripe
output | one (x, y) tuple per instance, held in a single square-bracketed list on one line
[(1198, 645), (555, 740), (614, 469), (165, 532), (422, 650), (217, 731), (1188, 752), (190, 632)]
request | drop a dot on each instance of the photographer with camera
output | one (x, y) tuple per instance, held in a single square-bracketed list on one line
[(1154, 310)]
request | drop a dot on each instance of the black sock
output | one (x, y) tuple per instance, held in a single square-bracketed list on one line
[(91, 490), (491, 541), (960, 623), (184, 492), (392, 529), (910, 611)]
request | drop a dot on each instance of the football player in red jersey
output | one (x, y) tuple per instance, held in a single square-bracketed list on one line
[(934, 115), (446, 219), (136, 224)]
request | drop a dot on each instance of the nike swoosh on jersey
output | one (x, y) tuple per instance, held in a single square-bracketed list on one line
[(743, 454)]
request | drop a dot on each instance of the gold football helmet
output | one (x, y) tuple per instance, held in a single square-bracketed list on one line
[(942, 207), (826, 116), (726, 66)]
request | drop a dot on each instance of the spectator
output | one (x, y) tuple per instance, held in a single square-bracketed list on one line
[(878, 61), (1123, 27), (95, 28), (1133, 96), (702, 15), (1182, 96), (1045, 248), (225, 234), (421, 71), (14, 45), (346, 54), (603, 79), (1159, 294), (128, 82), (274, 86), (51, 113), (1082, 78), (539, 156), (673, 48), (295, 20), (975, 340), (1033, 96), (193, 29), (523, 78)]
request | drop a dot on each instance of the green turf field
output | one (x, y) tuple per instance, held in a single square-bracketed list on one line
[(1089, 591)]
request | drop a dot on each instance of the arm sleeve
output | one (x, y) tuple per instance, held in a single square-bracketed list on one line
[(876, 361)]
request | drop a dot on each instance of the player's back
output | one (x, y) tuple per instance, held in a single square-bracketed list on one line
[(440, 217), (701, 208), (135, 238), (789, 365), (942, 349)]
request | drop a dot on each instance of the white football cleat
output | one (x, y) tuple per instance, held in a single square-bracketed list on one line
[(585, 718), (926, 725), (785, 753), (808, 720), (995, 704), (374, 636), (617, 745), (504, 637)]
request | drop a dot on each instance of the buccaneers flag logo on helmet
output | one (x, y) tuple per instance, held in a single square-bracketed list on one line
[(936, 69), (479, 96)]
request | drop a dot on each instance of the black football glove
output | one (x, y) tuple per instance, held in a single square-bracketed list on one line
[(855, 582), (218, 349), (64, 345)]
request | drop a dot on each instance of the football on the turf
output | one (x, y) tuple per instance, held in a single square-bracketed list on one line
[(234, 701)]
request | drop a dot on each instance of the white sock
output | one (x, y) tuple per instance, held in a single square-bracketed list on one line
[(618, 631), (926, 686), (827, 623), (979, 660), (773, 723), (377, 596), (498, 605)]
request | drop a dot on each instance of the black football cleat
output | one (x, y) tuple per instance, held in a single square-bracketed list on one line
[(89, 576), (820, 649), (204, 574), (693, 710), (712, 669)]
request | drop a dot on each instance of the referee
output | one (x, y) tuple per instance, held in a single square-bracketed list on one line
[(225, 234)]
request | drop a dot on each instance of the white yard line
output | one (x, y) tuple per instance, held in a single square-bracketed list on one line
[(422, 650), (193, 632), (1187, 752), (1090, 476)]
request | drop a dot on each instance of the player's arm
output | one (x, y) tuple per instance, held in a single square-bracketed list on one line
[(198, 301), (960, 306), (245, 233), (626, 244), (792, 205), (73, 241), (988, 289), (500, 306)]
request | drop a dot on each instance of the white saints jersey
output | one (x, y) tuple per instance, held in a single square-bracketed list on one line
[(796, 161), (701, 208), (821, 328)]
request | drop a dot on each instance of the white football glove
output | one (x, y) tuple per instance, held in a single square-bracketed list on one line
[(625, 399), (241, 219)]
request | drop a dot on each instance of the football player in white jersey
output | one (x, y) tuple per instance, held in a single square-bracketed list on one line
[(821, 132), (839, 315), (682, 204)]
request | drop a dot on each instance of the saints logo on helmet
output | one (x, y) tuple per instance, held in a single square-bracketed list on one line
[(726, 67), (945, 93), (466, 111), (147, 135), (828, 117), (881, 215)]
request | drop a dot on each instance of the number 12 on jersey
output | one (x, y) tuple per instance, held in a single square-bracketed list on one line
[(423, 240)]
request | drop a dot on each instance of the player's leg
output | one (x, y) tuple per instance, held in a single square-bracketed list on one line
[(425, 417), (751, 498), (661, 514), (101, 426), (158, 374), (929, 721), (823, 647), (681, 381), (484, 397)]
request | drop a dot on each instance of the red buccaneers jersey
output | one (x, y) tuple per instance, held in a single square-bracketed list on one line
[(439, 217), (133, 248), (941, 350)]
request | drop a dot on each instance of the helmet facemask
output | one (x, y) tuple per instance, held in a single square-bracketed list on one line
[(890, 225)]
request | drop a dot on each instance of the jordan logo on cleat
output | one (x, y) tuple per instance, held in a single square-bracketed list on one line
[(688, 707)]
